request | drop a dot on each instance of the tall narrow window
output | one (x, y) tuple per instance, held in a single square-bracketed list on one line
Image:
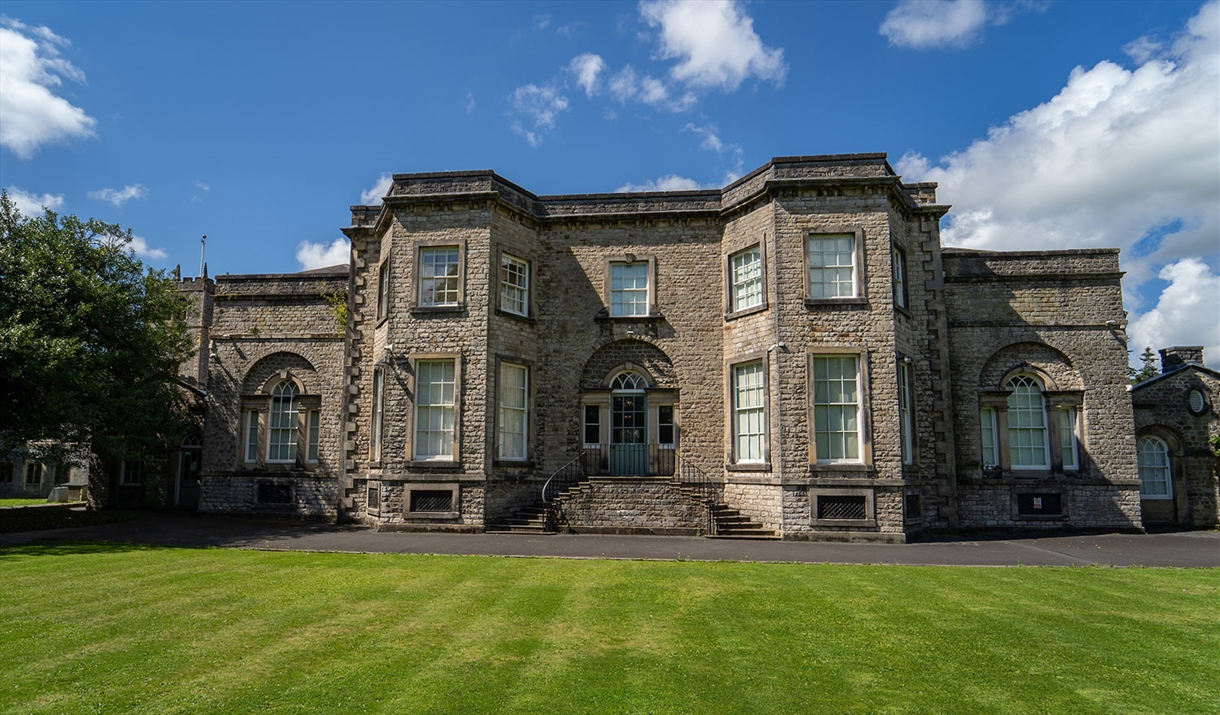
[(375, 416), (514, 411), (1152, 461), (282, 435), (747, 279), (666, 432), (438, 271), (900, 277), (33, 474), (251, 436), (1027, 439), (749, 418), (435, 398), (133, 472), (629, 289), (514, 285), (383, 290), (593, 426), (831, 263), (987, 429), (1067, 439), (906, 418), (836, 409), (312, 419)]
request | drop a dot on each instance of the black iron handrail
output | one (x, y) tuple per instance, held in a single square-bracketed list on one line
[(564, 478), (630, 460), (706, 489)]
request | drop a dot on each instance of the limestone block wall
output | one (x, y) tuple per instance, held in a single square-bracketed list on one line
[(625, 506), (239, 493)]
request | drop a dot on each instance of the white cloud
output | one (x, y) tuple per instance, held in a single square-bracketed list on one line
[(934, 23), (30, 69), (714, 42), (711, 141), (469, 102), (588, 67), (1186, 312), (1124, 158), (32, 204), (140, 246), (374, 194), (669, 182), (539, 104), (623, 85), (118, 197), (320, 255)]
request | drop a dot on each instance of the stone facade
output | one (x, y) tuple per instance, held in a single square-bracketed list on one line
[(796, 345), (1177, 412)]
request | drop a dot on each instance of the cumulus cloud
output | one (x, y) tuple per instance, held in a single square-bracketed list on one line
[(1186, 312), (1119, 157), (320, 255), (31, 70), (714, 42), (540, 105), (32, 204), (139, 246), (669, 182), (922, 24), (588, 68), (374, 194), (118, 197)]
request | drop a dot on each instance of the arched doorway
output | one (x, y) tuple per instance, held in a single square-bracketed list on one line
[(186, 486), (628, 425)]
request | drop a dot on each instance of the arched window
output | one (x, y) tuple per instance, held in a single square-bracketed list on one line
[(1027, 439), (628, 381), (282, 442), (1152, 457)]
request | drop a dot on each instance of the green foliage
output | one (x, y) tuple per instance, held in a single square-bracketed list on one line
[(338, 307), (163, 630), (1214, 442), (1149, 367), (90, 341)]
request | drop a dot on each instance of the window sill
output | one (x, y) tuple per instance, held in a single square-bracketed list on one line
[(840, 467), (735, 314), (629, 318), (904, 310), (421, 310), (433, 464), (834, 302), (748, 467), (512, 464), (867, 523), (516, 316)]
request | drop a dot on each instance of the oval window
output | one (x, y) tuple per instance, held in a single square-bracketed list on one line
[(1196, 401)]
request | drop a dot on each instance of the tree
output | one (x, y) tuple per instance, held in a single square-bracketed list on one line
[(90, 342), (1149, 368)]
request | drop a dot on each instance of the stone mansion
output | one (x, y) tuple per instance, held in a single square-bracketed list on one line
[(794, 355)]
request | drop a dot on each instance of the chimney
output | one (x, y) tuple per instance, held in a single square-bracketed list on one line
[(1179, 356)]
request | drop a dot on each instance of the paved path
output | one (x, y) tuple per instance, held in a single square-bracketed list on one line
[(1181, 549)]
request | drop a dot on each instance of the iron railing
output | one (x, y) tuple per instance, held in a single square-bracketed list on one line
[(630, 460), (705, 490)]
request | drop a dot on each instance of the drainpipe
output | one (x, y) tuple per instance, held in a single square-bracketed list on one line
[(777, 465)]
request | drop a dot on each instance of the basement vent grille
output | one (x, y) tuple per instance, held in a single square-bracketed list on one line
[(1040, 504), (374, 499), (841, 507), (271, 493), (432, 500), (912, 505)]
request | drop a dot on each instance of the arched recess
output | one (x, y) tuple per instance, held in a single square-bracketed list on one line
[(1173, 508), (629, 411), (620, 355), (280, 425), (265, 374), (1030, 395)]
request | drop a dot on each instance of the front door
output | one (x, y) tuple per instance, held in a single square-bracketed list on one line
[(629, 435), (188, 478)]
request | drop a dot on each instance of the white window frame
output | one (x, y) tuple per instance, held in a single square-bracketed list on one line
[(430, 404), (596, 424), (1158, 473), (429, 281), (376, 417), (906, 416), (749, 412), (746, 279), (514, 292), (313, 427), (899, 261), (34, 469), (672, 424), (514, 412), (817, 289), (988, 432), (250, 441), (131, 473), (618, 304), (276, 433), (1067, 439), (383, 290), (852, 411), (1028, 419)]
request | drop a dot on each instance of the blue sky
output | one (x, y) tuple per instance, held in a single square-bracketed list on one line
[(1047, 124)]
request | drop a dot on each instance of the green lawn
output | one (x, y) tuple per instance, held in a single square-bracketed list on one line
[(131, 629), (20, 501)]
